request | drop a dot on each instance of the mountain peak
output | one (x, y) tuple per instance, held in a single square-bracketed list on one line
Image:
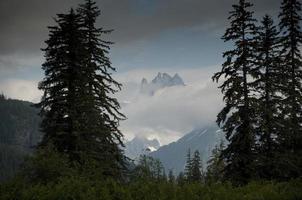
[(144, 81), (140, 145), (177, 80), (162, 80)]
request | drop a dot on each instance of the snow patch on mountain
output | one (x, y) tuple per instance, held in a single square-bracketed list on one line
[(140, 146)]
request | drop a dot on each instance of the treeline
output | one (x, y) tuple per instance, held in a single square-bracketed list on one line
[(81, 188), (147, 180), (261, 82)]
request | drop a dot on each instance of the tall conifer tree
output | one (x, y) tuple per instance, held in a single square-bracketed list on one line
[(62, 80), (188, 166), (237, 117), (291, 140), (268, 88), (104, 138), (80, 114), (196, 169), (215, 165)]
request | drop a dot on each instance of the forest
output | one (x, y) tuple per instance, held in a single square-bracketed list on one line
[(80, 154)]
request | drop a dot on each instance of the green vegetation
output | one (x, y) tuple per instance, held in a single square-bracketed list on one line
[(193, 169), (81, 188), (49, 177)]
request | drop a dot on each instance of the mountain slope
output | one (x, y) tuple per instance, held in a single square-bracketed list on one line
[(173, 156), (140, 145), (19, 132)]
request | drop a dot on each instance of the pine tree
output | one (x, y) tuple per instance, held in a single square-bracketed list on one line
[(63, 67), (149, 168), (196, 169), (171, 177), (102, 136), (2, 96), (188, 166), (215, 165), (159, 170), (80, 115), (268, 88), (237, 117), (181, 180), (291, 140)]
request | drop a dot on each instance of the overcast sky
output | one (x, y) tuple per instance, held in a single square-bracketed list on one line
[(150, 35)]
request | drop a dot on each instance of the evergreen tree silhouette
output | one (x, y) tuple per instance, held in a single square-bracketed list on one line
[(63, 68), (196, 169), (188, 166), (171, 177), (215, 165), (291, 38), (101, 109), (237, 117), (268, 76), (80, 114)]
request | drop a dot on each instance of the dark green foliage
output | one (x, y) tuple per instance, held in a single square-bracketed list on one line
[(62, 85), (215, 168), (46, 166), (149, 168), (80, 116), (19, 133), (181, 179), (102, 110), (193, 168), (238, 115), (80, 188), (11, 158), (291, 39), (188, 166), (263, 95), (269, 102), (197, 171), (171, 177)]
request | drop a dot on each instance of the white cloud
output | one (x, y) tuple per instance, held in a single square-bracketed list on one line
[(174, 111), (167, 115), (21, 89), (190, 75)]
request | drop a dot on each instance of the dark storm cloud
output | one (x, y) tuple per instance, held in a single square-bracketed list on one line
[(23, 22)]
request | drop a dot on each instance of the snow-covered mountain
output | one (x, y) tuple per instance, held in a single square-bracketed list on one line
[(140, 145), (162, 80), (173, 155)]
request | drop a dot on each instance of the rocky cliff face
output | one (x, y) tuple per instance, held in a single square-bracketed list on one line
[(162, 80), (139, 146)]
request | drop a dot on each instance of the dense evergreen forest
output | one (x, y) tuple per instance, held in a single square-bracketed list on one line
[(80, 154)]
